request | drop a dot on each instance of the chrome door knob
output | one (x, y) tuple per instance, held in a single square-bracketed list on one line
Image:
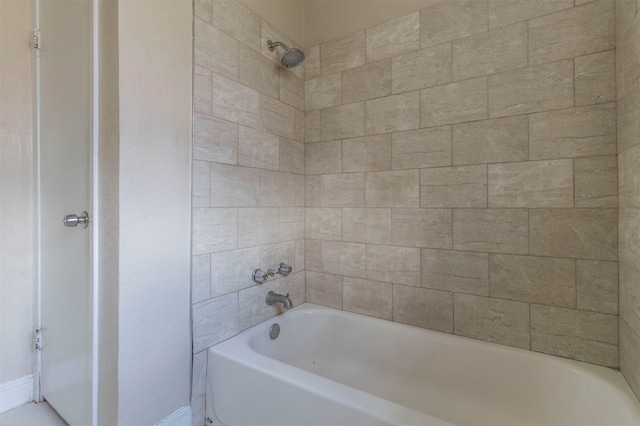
[(73, 220)]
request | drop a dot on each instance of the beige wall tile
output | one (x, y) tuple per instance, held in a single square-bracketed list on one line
[(544, 280), (499, 321), (235, 102), (580, 233), (277, 117), (421, 227), (629, 57), (491, 141), (421, 148), (424, 68), (258, 72), (629, 347), (627, 120), (291, 224), (215, 320), (451, 20), (312, 62), (345, 121), (339, 55), (234, 186), (312, 191), (393, 37), (491, 230), (597, 283), (277, 189), (291, 89), (343, 190), (323, 223), (504, 12), (367, 226), (313, 255), (214, 230), (291, 156), (272, 254), (398, 188), (200, 278), (312, 126), (257, 226), (323, 92), (238, 21), (532, 89), (294, 285), (595, 78), (258, 148), (348, 259), (215, 140), (454, 103), (201, 175), (252, 308), (323, 157), (215, 50), (231, 270), (629, 178), (202, 10), (298, 188), (399, 265), (299, 124), (423, 307), (456, 271), (572, 32), (324, 289), (393, 113), (596, 181), (585, 336), (271, 33), (502, 49), (369, 153), (201, 90), (463, 186), (574, 132), (547, 183), (366, 82), (367, 297)]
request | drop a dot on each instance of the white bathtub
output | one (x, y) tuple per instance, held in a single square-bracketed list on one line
[(330, 367)]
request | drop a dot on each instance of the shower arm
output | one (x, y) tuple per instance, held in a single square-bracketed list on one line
[(273, 44)]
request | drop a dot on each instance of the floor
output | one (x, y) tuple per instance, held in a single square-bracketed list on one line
[(32, 414)]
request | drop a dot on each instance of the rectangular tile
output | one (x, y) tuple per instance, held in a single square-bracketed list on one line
[(277, 117), (573, 32), (584, 336), (238, 21), (252, 307), (369, 153), (494, 320), (294, 285), (324, 289), (215, 320), (505, 12), (393, 37), (201, 176), (597, 283), (277, 189), (451, 20), (579, 233), (234, 186), (627, 120), (312, 126), (398, 265), (312, 191), (491, 230), (258, 72), (345, 121), (424, 68), (348, 259), (235, 102), (215, 50), (547, 183), (456, 271), (367, 297), (596, 181), (491, 141), (231, 270), (543, 280), (298, 190), (531, 89), (214, 230), (498, 50), (323, 157), (398, 188), (421, 227), (629, 178), (258, 148), (290, 223), (342, 54), (257, 226), (291, 89), (454, 103), (575, 132), (312, 62), (595, 78), (423, 307), (629, 347), (200, 278), (323, 92), (371, 226), (343, 190), (271, 255), (393, 113), (199, 375), (291, 156), (366, 82), (299, 123), (201, 90), (323, 223), (423, 148), (462, 186)]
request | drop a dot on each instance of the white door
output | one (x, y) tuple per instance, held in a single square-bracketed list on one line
[(65, 132)]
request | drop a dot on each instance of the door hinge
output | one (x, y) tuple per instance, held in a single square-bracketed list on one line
[(37, 339), (36, 39)]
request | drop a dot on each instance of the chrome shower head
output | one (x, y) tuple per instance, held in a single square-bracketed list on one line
[(292, 57)]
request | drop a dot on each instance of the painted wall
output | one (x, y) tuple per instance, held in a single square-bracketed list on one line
[(628, 71), (248, 177), (286, 15), (461, 174), (16, 192)]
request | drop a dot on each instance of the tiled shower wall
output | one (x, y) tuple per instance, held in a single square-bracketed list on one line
[(461, 174), (628, 71), (248, 177)]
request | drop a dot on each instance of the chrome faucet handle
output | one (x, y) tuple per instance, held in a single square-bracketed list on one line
[(284, 269), (259, 276)]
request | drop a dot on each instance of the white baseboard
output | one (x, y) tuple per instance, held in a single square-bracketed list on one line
[(180, 417), (16, 393)]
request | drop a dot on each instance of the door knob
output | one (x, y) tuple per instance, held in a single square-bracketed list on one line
[(73, 220)]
